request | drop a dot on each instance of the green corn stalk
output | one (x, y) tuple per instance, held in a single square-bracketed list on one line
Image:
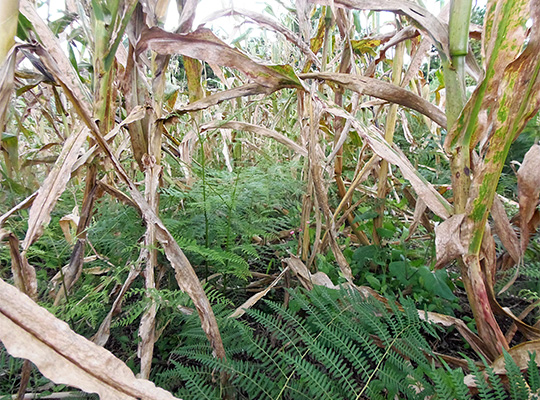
[(454, 75), (508, 96)]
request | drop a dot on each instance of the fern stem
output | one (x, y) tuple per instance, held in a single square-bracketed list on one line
[(307, 351), (378, 366)]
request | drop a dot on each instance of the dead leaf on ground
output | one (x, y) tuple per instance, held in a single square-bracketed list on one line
[(447, 321), (520, 354), (256, 297)]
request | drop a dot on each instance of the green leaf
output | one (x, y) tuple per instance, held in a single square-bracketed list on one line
[(371, 214)]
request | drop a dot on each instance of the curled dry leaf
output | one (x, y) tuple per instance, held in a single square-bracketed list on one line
[(528, 191), (308, 280), (256, 297), (31, 332), (427, 21), (263, 21), (7, 71), (446, 320), (245, 90), (300, 270), (448, 240), (504, 229), (259, 130), (520, 354), (374, 138), (204, 45), (53, 187), (383, 90), (419, 210), (68, 223), (185, 275), (24, 274)]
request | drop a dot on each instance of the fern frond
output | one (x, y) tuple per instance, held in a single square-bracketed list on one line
[(519, 389)]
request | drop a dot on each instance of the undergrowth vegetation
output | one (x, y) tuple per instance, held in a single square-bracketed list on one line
[(343, 205)]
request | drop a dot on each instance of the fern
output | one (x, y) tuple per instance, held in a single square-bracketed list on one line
[(519, 389), (330, 345), (326, 350)]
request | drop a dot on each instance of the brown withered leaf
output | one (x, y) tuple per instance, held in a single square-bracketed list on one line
[(7, 71), (68, 223), (263, 21), (383, 90), (31, 332), (300, 270), (259, 130), (448, 240), (24, 274), (245, 90), (53, 187), (256, 297), (203, 45), (419, 210), (185, 275), (520, 354), (446, 320), (504, 229), (528, 191), (427, 21), (374, 137)]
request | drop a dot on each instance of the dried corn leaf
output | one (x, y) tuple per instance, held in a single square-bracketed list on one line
[(445, 320), (259, 130), (448, 240), (185, 275), (427, 21), (244, 90), (520, 354), (383, 90), (528, 190), (53, 187), (204, 45), (24, 274), (256, 297), (504, 229), (265, 22), (31, 332)]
